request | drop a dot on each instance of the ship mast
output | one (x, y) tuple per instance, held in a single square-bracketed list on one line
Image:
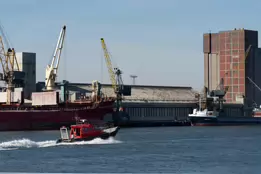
[(200, 106)]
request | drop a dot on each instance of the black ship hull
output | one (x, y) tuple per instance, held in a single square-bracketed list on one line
[(224, 121)]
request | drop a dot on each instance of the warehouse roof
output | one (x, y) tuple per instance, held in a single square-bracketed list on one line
[(144, 92), (158, 94), (136, 86)]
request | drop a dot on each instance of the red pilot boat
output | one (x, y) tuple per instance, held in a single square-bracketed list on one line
[(86, 131)]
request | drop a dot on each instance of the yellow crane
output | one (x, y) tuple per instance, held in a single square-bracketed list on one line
[(111, 70), (115, 77), (11, 73)]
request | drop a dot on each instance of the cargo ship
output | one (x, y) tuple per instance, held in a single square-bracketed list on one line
[(213, 118), (212, 114), (50, 108), (22, 118), (48, 111)]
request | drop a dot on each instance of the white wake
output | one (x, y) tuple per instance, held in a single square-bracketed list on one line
[(27, 143)]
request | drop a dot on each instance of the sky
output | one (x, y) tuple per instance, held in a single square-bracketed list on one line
[(160, 41)]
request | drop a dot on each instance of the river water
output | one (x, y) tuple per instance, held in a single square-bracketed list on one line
[(189, 150)]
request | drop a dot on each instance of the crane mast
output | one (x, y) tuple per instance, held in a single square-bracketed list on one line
[(52, 69)]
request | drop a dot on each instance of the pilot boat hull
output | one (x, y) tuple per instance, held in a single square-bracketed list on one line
[(105, 134)]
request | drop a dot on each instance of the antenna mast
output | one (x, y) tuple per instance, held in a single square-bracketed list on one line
[(133, 78)]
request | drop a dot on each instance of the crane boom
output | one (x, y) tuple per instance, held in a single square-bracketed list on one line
[(254, 83), (8, 59), (2, 56), (109, 65), (11, 74), (247, 52), (52, 69)]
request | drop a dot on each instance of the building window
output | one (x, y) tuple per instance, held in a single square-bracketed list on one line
[(235, 73), (235, 89), (235, 80), (235, 52), (235, 67)]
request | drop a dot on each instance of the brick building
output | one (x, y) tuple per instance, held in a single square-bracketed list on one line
[(225, 57)]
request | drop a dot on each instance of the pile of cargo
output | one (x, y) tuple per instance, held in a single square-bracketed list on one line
[(45, 98)]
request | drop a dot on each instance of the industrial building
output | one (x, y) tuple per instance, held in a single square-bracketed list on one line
[(140, 93), (152, 103), (145, 102), (27, 63), (234, 56)]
